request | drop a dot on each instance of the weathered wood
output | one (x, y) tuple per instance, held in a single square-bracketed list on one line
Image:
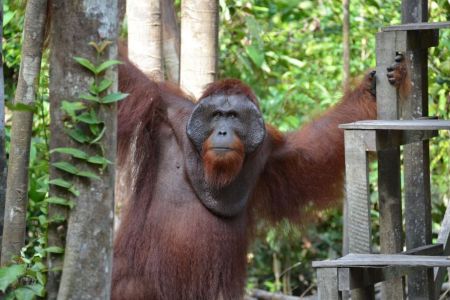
[(388, 43), (358, 203), (435, 249), (417, 26), (416, 158), (444, 240), (384, 260), (327, 284), (352, 278), (357, 185), (389, 186), (399, 124)]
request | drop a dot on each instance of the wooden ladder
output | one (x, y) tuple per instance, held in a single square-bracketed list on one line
[(399, 123)]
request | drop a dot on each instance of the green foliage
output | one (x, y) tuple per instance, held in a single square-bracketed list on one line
[(290, 53)]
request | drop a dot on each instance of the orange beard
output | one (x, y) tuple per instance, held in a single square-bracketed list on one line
[(221, 168)]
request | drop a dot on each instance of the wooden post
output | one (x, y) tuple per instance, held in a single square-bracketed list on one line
[(327, 284), (389, 187), (358, 204), (416, 158)]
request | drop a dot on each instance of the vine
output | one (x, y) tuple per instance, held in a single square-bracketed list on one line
[(25, 279)]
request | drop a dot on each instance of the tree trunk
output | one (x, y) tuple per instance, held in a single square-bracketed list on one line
[(2, 133), (199, 31), (17, 180), (88, 250), (171, 41), (145, 35), (346, 41)]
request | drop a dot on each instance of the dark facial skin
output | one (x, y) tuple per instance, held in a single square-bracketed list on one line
[(225, 131), (225, 117)]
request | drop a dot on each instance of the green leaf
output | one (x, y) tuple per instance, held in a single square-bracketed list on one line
[(78, 135), (104, 84), (71, 151), (88, 174), (88, 118), (24, 293), (255, 54), (21, 107), (60, 201), (57, 219), (99, 160), (37, 289), (107, 64), (10, 275), (74, 191), (89, 97), (66, 167), (113, 97), (8, 17), (61, 183), (99, 137), (71, 108), (86, 63), (54, 249)]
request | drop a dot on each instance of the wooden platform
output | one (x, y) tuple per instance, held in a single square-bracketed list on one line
[(398, 125), (417, 26), (384, 260)]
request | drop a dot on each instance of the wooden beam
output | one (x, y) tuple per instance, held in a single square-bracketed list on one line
[(352, 278), (363, 260), (417, 26), (357, 223), (327, 284)]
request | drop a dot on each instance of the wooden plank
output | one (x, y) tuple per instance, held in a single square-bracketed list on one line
[(416, 157), (389, 186), (363, 260), (417, 26), (387, 139), (327, 284), (357, 186), (435, 250), (391, 226), (399, 125), (357, 223), (352, 278), (444, 239), (386, 50)]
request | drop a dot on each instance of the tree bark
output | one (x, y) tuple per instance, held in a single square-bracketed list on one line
[(17, 180), (145, 35), (199, 38), (2, 132), (88, 249), (171, 41), (346, 41)]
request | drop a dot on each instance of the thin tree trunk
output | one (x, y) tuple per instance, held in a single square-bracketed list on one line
[(199, 37), (145, 35), (171, 41), (2, 132), (346, 41), (17, 180), (88, 250)]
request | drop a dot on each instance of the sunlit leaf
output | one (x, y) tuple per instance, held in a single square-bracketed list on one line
[(71, 151), (88, 174), (61, 183), (60, 201), (107, 64), (113, 97), (10, 274), (85, 63), (66, 167), (54, 249)]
